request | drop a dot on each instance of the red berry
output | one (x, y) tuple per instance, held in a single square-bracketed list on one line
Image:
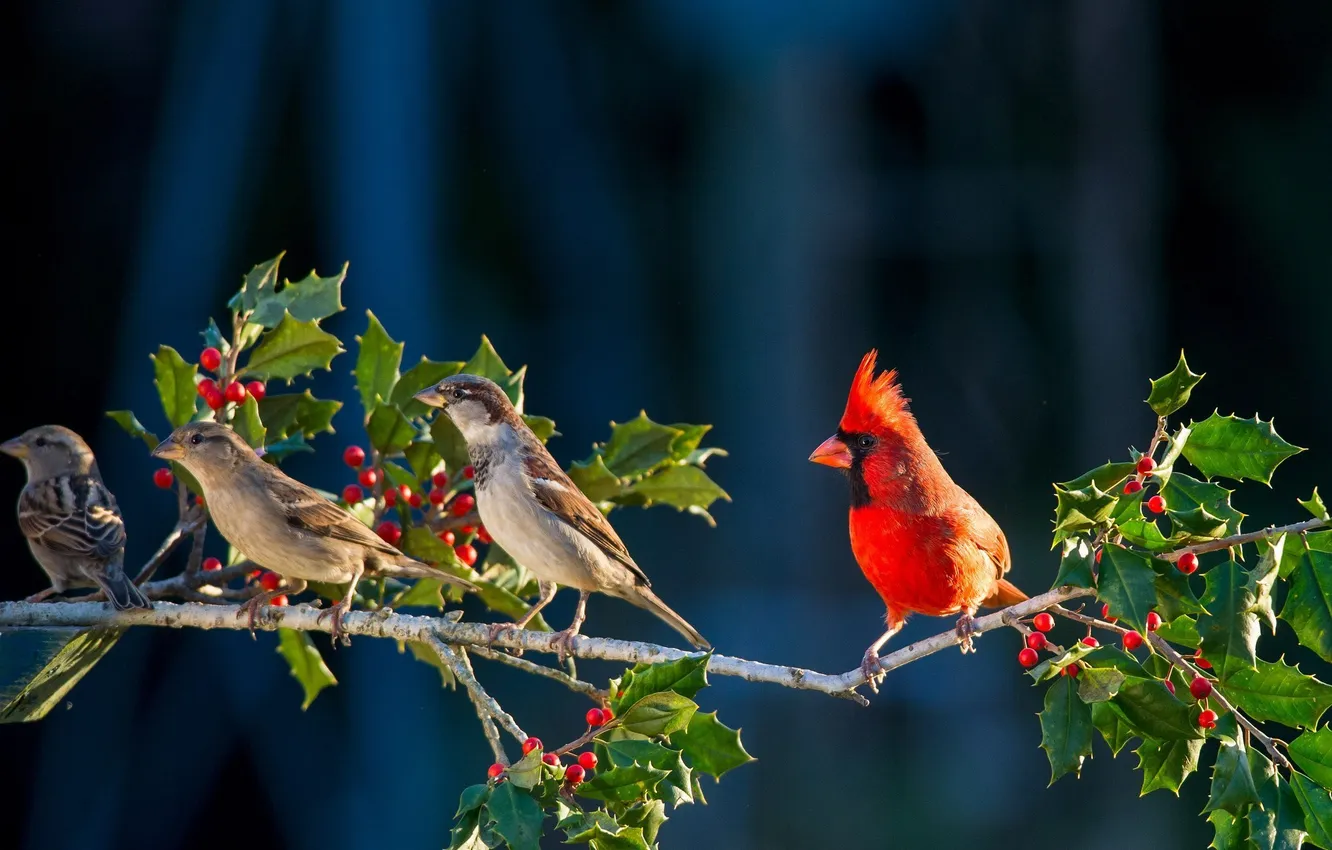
[(466, 553), (256, 389), (587, 761), (1099, 552), (352, 494), (495, 771), (1200, 687), (404, 491), (163, 478), (437, 496), (1043, 621), (214, 399), (368, 478), (573, 774), (463, 505), (1156, 504), (447, 537), (1170, 686), (390, 498), (1132, 640), (483, 536), (1028, 657), (595, 717), (414, 500), (440, 479), (550, 759), (469, 472), (353, 456), (607, 715), (1036, 641), (531, 744), (1133, 486), (389, 532), (270, 581), (1105, 614), (1146, 465), (280, 601), (467, 529), (205, 386), (1090, 641), (1071, 671), (1153, 621), (1203, 663), (1207, 719), (235, 392), (1187, 563), (211, 564), (210, 359)]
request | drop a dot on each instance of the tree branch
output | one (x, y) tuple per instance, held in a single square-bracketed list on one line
[(487, 709), (575, 685), (1248, 537)]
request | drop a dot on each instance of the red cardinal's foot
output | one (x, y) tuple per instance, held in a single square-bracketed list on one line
[(966, 627), (871, 669)]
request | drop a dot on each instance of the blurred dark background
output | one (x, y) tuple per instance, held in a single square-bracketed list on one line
[(710, 210)]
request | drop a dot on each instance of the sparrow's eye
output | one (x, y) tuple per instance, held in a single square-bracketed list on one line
[(865, 441), (457, 393), (40, 442), (196, 439)]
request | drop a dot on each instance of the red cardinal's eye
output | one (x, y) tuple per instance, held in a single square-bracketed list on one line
[(866, 441)]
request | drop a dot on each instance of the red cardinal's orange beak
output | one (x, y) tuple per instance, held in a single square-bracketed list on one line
[(833, 452)]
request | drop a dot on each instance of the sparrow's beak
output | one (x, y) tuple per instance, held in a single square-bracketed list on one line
[(832, 452), (430, 397), (169, 449), (14, 448)]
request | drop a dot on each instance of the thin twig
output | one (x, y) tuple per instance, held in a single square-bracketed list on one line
[(195, 563), (484, 702), (575, 685), (164, 551), (1247, 537)]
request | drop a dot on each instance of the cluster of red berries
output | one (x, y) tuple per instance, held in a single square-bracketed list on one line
[(1145, 467), (1044, 622), (216, 396), (574, 774)]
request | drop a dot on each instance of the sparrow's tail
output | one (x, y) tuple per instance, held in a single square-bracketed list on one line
[(412, 568), (644, 598), (1005, 594), (119, 590)]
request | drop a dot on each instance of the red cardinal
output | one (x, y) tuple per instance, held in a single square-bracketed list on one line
[(921, 540)]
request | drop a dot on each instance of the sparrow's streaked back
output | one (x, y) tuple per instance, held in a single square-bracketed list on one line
[(70, 519), (280, 523), (533, 509)]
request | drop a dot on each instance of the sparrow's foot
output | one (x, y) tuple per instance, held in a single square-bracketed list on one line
[(494, 630), (336, 611), (871, 669), (42, 596), (251, 607), (966, 627), (563, 643)]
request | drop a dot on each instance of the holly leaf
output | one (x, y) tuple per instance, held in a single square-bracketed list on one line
[(1314, 505), (659, 714), (685, 676), (486, 362), (39, 666), (711, 746), (1236, 448), (1308, 606), (623, 784), (1317, 806), (1262, 579), (1066, 729), (427, 373), (1075, 564), (648, 817), (1113, 728), (596, 481), (1174, 594), (422, 458), (291, 349), (308, 300), (132, 426), (1228, 832), (175, 385), (1108, 476), (1184, 493), (1153, 711), (1081, 510), (542, 426), (1099, 684), (376, 365), (389, 431), (259, 283), (1312, 751), (1053, 666), (1229, 626), (1171, 392), (1281, 693), (292, 413), (307, 665), (1319, 541), (517, 816), (1232, 780), (1181, 630), (639, 445), (1197, 524), (1127, 585), (248, 424), (1279, 823), (675, 788), (1166, 764), (681, 487), (449, 443)]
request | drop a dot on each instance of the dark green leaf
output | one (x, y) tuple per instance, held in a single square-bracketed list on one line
[(1166, 764), (1277, 692), (1232, 780), (1075, 564), (1171, 392), (1181, 630), (38, 667), (376, 365), (1308, 606), (259, 283), (627, 751), (596, 481), (449, 443), (132, 426), (648, 817), (247, 423), (293, 413), (1237, 448), (623, 784), (291, 349), (1262, 579), (427, 373), (598, 837), (390, 432), (526, 772), (473, 797), (1229, 628), (1114, 658), (542, 426), (1314, 505), (1108, 477), (517, 816), (1053, 666), (1113, 728), (1066, 729), (1317, 806), (308, 300), (638, 445), (395, 475), (1312, 751), (1230, 832), (175, 385), (486, 362), (1184, 493), (1279, 823), (681, 487), (1174, 594), (1099, 684), (1140, 531), (685, 676), (1127, 585), (1197, 524), (659, 714), (213, 338), (1153, 711), (711, 746), (1319, 541), (424, 593), (423, 458), (1081, 510), (307, 665)]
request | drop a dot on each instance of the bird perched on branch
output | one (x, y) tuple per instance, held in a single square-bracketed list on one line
[(70, 519), (283, 525), (533, 509), (922, 541)]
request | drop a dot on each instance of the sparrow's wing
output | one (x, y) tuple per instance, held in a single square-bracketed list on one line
[(558, 494), (305, 509), (73, 515)]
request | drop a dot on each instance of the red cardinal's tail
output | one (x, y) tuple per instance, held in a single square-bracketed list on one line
[(1005, 594)]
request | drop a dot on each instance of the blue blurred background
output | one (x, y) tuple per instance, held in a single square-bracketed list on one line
[(710, 210)]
